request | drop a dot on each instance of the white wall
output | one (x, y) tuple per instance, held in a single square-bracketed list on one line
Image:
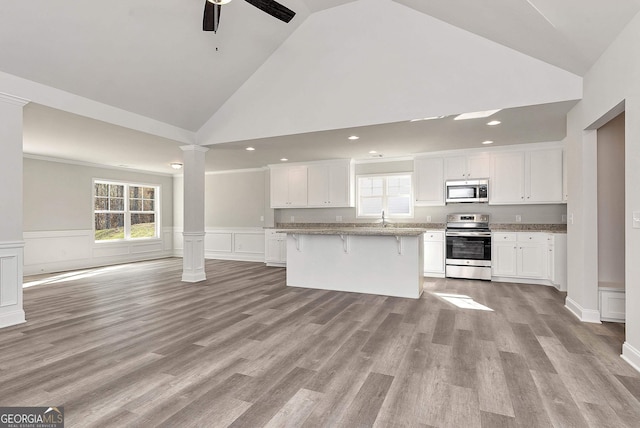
[(611, 231), (612, 80), (381, 62), (234, 212), (58, 217)]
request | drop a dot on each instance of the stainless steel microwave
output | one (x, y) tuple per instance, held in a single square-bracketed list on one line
[(467, 191)]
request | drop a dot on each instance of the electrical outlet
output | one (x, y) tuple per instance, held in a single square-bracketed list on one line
[(428, 219), (518, 218), (635, 219), (338, 218), (292, 219), (261, 218), (571, 218), (564, 218)]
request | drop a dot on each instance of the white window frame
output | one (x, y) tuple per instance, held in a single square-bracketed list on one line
[(385, 205), (127, 212)]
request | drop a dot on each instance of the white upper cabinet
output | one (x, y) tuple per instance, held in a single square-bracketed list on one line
[(527, 177), (429, 181), (331, 184), (288, 186), (507, 179), (467, 167), (544, 173)]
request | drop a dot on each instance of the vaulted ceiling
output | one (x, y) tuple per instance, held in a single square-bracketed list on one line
[(151, 58)]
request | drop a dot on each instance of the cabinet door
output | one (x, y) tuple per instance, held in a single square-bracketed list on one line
[(282, 254), (455, 168), (478, 166), (504, 260), (507, 178), (279, 186), (433, 256), (532, 259), (298, 186), (339, 185), (544, 173), (318, 185), (272, 247), (429, 181)]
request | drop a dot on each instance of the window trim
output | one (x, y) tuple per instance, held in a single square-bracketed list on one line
[(127, 213), (384, 196)]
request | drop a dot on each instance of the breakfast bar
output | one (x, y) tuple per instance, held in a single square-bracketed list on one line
[(384, 261)]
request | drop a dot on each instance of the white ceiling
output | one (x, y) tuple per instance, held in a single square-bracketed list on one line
[(151, 58)]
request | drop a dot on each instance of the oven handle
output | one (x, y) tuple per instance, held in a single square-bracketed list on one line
[(481, 234)]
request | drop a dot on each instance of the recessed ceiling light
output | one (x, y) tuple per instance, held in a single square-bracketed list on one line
[(284, 159), (176, 165), (487, 142), (476, 114), (250, 149), (372, 152), (353, 137), (494, 123)]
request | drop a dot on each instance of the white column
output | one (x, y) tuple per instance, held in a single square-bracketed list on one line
[(11, 243), (193, 229)]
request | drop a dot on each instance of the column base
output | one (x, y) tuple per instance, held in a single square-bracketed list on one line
[(193, 257), (11, 260)]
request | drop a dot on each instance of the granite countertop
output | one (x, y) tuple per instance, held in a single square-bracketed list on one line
[(370, 228), (520, 227), (360, 231)]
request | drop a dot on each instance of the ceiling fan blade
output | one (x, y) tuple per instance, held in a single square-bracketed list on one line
[(211, 18), (274, 9)]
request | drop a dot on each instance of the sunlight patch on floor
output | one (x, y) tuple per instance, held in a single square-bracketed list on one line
[(73, 276), (463, 302)]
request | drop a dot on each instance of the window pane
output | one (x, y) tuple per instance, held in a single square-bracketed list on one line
[(370, 186), (399, 185), (371, 206), (149, 192), (102, 204), (116, 190), (116, 204), (399, 205), (109, 226), (148, 205), (135, 204), (101, 189), (143, 226), (135, 192)]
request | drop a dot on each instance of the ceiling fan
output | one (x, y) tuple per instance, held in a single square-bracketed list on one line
[(211, 19)]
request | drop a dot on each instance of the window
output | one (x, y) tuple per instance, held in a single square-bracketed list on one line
[(124, 211), (390, 193)]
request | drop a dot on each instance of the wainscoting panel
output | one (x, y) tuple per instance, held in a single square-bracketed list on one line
[(242, 244), (11, 311), (60, 250)]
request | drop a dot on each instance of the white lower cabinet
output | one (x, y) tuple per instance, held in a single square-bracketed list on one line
[(520, 255), (434, 253), (275, 248)]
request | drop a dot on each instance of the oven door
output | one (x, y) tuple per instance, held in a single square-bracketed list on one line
[(469, 248)]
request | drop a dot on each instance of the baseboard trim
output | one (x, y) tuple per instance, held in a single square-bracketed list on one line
[(193, 277), (12, 318), (584, 315), (631, 355)]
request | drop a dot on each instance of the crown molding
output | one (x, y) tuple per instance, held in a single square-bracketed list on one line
[(12, 99)]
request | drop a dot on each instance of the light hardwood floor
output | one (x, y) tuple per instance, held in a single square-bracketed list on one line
[(133, 346)]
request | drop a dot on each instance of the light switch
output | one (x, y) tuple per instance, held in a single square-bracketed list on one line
[(636, 219)]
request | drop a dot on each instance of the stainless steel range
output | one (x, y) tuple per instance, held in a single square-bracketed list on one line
[(468, 246)]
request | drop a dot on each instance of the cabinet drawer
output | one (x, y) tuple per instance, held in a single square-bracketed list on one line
[(434, 236), (532, 237), (504, 237)]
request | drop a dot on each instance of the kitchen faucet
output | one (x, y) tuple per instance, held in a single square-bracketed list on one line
[(384, 224)]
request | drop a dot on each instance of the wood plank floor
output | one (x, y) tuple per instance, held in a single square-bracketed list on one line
[(133, 346)]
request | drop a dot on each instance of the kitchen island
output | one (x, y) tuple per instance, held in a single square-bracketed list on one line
[(384, 261)]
